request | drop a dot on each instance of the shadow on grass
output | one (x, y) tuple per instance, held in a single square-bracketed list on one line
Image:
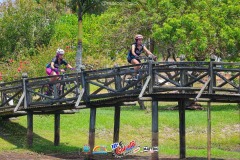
[(16, 134), (170, 108), (109, 156), (173, 107)]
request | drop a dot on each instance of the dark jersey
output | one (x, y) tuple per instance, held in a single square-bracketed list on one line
[(137, 51), (57, 63), (130, 56)]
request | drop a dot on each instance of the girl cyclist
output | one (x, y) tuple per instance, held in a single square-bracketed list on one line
[(136, 49), (52, 68)]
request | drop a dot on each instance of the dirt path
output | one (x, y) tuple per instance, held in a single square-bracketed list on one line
[(36, 156)]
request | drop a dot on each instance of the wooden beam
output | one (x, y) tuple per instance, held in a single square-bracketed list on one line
[(154, 128), (209, 130), (116, 123), (182, 132), (29, 128), (91, 139), (56, 129)]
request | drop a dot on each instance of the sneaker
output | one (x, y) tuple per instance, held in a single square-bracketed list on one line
[(59, 92), (139, 85), (134, 78), (48, 93)]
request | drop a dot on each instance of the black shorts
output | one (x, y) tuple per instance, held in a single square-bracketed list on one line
[(130, 59)]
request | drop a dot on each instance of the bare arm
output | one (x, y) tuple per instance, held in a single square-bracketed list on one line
[(150, 53), (69, 66), (133, 50), (52, 65), (147, 51)]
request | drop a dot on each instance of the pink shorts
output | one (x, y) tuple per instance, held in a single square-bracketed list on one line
[(50, 70)]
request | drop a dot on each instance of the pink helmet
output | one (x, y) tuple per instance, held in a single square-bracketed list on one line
[(60, 51), (138, 36)]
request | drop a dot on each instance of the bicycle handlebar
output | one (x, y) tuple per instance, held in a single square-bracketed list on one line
[(150, 57)]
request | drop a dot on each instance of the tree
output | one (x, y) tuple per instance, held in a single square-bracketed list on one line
[(81, 7), (199, 28), (196, 29), (24, 26)]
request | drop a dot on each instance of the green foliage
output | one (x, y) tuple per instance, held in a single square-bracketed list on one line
[(31, 32), (199, 28), (24, 26), (66, 28)]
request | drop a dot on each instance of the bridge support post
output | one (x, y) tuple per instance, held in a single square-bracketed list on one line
[(56, 129), (91, 140), (29, 128), (182, 132), (209, 131), (154, 128), (118, 86), (116, 124)]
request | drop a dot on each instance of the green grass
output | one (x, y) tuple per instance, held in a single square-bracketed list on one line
[(135, 125)]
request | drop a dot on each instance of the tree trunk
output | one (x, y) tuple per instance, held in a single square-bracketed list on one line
[(79, 46)]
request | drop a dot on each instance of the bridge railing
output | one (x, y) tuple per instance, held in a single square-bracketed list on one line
[(152, 77), (226, 78), (10, 93), (187, 77), (65, 90), (111, 82), (180, 76)]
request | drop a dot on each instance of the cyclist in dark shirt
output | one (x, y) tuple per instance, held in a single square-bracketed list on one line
[(52, 68), (136, 50)]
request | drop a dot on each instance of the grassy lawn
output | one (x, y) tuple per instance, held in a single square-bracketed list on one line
[(135, 125)]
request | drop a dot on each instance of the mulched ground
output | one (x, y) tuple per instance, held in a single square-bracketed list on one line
[(36, 156)]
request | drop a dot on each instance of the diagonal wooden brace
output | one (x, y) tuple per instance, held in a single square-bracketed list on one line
[(144, 87), (202, 89), (19, 102), (79, 98)]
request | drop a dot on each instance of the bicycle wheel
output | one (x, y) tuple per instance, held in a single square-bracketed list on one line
[(109, 82), (44, 90), (4, 98), (127, 80), (71, 89)]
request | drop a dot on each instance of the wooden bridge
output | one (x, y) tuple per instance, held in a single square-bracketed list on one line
[(113, 87)]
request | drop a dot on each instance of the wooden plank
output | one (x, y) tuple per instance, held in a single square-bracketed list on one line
[(106, 83), (56, 129), (202, 89), (169, 80), (92, 123), (209, 130), (226, 69), (226, 80), (230, 79), (144, 86), (155, 128), (196, 79), (116, 123), (29, 128), (182, 132)]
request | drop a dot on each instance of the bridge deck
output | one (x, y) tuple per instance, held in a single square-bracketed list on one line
[(177, 81), (114, 101), (162, 81)]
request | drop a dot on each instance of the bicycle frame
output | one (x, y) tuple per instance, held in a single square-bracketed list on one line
[(128, 81), (62, 88)]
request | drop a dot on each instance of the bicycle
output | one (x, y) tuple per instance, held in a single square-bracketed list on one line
[(129, 80), (66, 88)]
